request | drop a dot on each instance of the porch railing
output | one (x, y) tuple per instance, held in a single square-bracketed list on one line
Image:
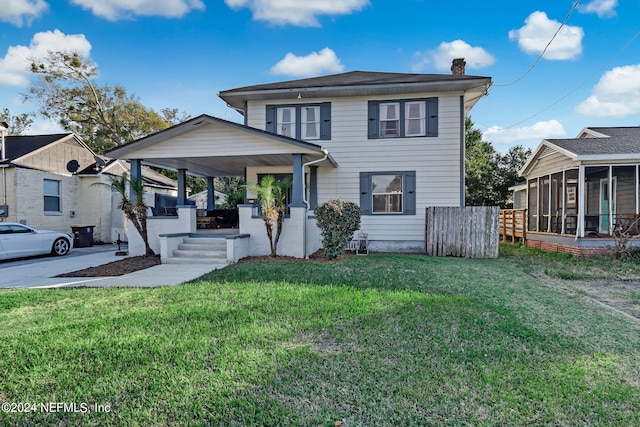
[(513, 224)]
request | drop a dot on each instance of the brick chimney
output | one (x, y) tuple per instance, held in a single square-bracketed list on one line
[(457, 67)]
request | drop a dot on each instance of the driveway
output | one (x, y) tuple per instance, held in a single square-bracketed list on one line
[(39, 272)]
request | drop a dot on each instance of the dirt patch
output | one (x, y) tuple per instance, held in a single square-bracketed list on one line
[(116, 268), (619, 294)]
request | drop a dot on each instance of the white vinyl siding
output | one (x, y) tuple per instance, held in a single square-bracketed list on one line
[(436, 161)]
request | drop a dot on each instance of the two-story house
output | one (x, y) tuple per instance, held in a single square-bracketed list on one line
[(391, 142)]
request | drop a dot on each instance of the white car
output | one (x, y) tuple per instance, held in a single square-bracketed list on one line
[(17, 241)]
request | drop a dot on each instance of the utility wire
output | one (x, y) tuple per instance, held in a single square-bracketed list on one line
[(604, 65), (575, 5)]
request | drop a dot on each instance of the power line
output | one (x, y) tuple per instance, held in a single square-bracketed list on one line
[(604, 65), (575, 5)]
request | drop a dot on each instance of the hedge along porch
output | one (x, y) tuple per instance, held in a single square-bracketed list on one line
[(209, 147)]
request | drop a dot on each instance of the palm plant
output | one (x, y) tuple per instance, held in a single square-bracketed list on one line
[(134, 210), (272, 195)]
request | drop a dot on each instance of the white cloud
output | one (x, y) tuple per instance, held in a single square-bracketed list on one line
[(14, 67), (617, 94), (21, 12), (602, 8), (538, 31), (113, 10), (540, 130), (313, 64), (302, 13), (475, 57)]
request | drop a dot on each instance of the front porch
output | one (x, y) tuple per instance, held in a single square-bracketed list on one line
[(209, 147)]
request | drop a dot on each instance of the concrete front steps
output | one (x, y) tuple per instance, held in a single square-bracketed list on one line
[(200, 250)]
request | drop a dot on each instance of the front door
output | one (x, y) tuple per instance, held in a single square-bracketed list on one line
[(604, 203)]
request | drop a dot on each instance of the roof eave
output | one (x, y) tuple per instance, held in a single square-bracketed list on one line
[(236, 98)]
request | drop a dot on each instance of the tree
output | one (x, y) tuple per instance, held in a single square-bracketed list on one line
[(272, 195), (489, 174), (480, 167), (17, 124), (104, 116), (134, 210), (232, 187)]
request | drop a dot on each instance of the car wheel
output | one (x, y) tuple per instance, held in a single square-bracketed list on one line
[(60, 247)]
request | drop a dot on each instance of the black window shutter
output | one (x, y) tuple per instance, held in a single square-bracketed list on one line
[(410, 197), (432, 117), (365, 196), (372, 118), (271, 119), (325, 120)]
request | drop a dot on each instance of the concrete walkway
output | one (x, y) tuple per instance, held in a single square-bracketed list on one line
[(39, 272)]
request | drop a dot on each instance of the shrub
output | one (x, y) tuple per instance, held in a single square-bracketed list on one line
[(337, 219)]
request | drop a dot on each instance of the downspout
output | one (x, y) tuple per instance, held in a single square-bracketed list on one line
[(306, 202), (313, 162)]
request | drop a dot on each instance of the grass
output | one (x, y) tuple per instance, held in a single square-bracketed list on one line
[(378, 340)]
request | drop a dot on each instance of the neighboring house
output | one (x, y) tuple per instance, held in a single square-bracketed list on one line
[(582, 192), (391, 142), (104, 202), (47, 181)]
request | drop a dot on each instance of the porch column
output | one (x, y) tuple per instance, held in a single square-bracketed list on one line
[(313, 187), (539, 197), (637, 200), (297, 196), (182, 187), (580, 224), (564, 201), (211, 194), (611, 201), (549, 209), (136, 173)]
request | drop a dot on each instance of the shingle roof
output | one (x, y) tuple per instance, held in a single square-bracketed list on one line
[(18, 146), (622, 140), (354, 78), (357, 83)]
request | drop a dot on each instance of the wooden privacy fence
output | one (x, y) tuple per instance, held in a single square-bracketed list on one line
[(469, 232), (513, 224)]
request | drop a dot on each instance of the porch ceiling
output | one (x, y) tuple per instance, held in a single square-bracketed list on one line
[(229, 165)]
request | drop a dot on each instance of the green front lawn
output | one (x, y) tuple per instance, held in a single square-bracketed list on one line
[(379, 340)]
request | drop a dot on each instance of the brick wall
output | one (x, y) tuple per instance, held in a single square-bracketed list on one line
[(573, 250)]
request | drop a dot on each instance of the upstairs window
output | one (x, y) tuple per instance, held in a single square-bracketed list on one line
[(286, 124), (304, 121), (403, 118), (310, 123), (389, 120)]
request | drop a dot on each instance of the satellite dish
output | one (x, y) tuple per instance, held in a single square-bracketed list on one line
[(73, 166)]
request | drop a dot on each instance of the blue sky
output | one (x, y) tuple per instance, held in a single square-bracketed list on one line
[(181, 53)]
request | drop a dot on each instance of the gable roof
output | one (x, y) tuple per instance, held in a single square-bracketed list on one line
[(211, 162), (21, 145), (355, 83), (593, 144)]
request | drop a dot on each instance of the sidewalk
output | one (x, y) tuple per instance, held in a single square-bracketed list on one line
[(40, 274)]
